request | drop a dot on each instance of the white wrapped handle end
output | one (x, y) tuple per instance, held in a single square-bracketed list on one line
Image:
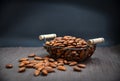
[(96, 40), (47, 36)]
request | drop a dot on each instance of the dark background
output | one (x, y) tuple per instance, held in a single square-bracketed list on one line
[(23, 21)]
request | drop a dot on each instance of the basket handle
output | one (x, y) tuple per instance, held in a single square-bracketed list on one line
[(47, 36), (96, 40)]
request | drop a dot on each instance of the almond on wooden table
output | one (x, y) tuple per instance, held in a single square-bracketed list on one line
[(62, 68), (29, 65), (23, 59), (49, 69), (9, 66), (60, 64), (44, 72), (52, 65), (73, 63), (21, 69), (76, 68), (81, 65), (38, 58), (36, 72), (21, 64)]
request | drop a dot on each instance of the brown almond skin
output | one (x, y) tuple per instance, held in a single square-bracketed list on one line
[(22, 69), (22, 64), (31, 55), (55, 62), (62, 68), (52, 65), (46, 64), (33, 61), (81, 65), (37, 58), (38, 65), (9, 66), (65, 62), (44, 72), (45, 60), (23, 59), (76, 68), (49, 69), (40, 68), (51, 60), (29, 65), (60, 64), (26, 62), (73, 63), (36, 73), (47, 43)]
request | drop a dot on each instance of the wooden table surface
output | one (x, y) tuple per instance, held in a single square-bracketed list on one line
[(104, 65)]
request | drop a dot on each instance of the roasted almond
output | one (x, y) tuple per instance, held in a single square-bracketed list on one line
[(38, 65), (36, 73), (23, 59), (49, 69), (81, 65), (47, 43), (46, 64), (51, 60), (65, 62), (60, 64), (21, 69), (76, 68), (52, 65), (44, 72), (55, 62), (9, 66), (62, 68), (40, 68), (73, 63), (29, 65), (26, 62), (38, 58), (21, 64)]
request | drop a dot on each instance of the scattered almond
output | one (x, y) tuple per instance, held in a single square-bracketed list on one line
[(37, 58), (73, 63), (52, 65), (23, 59), (21, 64), (81, 65), (76, 68), (62, 68), (44, 72), (36, 73), (49, 69), (9, 66), (21, 69)]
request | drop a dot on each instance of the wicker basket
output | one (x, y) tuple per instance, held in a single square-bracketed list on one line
[(76, 54), (71, 53)]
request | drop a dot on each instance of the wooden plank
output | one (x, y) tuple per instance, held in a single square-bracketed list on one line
[(104, 65)]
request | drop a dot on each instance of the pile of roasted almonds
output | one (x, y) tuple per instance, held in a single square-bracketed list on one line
[(69, 48), (45, 65), (67, 42)]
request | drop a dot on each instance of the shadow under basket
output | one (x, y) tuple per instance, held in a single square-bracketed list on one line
[(71, 54)]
